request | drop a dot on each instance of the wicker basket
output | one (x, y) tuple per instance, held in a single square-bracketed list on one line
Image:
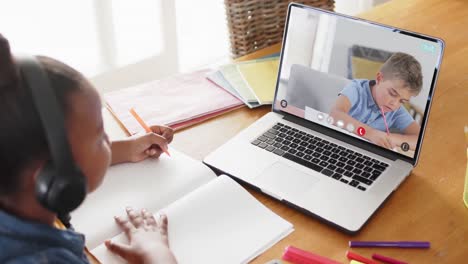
[(255, 24)]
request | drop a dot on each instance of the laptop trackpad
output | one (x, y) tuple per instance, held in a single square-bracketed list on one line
[(286, 181)]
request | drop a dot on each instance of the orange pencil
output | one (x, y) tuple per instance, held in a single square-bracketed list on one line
[(145, 126)]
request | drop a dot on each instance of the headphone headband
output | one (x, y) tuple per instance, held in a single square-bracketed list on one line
[(49, 111)]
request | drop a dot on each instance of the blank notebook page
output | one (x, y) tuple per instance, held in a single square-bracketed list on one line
[(152, 184), (219, 222)]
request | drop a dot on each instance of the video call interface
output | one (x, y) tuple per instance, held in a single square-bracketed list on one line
[(364, 80)]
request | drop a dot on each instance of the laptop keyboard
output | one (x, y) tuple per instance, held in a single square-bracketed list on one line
[(342, 164)]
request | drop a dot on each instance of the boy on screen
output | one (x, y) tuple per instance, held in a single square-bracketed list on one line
[(363, 103)]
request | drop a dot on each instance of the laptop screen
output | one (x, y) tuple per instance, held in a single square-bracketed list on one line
[(369, 81)]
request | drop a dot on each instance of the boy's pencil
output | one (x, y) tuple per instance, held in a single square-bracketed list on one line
[(385, 121), (145, 126)]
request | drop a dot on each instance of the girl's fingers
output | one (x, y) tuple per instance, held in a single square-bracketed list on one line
[(125, 225), (135, 218), (163, 225), (149, 219), (122, 250)]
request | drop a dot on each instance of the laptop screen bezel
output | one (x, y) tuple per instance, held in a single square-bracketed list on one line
[(342, 136)]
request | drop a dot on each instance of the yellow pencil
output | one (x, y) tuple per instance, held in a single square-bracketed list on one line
[(145, 126)]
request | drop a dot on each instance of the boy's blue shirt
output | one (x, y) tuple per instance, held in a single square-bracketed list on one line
[(24, 241), (365, 110)]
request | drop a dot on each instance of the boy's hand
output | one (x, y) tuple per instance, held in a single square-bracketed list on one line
[(139, 147), (148, 239), (380, 138)]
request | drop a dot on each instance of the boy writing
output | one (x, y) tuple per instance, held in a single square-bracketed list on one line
[(363, 103)]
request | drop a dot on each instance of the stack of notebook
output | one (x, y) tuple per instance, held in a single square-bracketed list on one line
[(178, 101), (253, 82), (186, 99)]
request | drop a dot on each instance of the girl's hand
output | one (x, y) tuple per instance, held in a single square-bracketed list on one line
[(148, 239), (139, 147), (164, 131), (150, 144)]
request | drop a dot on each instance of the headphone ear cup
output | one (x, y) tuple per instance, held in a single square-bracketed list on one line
[(60, 193), (67, 193), (43, 183)]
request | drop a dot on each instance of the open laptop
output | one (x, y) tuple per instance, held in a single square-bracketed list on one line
[(306, 152)]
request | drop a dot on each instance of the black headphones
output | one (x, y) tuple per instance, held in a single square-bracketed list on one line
[(60, 186)]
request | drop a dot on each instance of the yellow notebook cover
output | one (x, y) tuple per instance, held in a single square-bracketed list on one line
[(261, 78)]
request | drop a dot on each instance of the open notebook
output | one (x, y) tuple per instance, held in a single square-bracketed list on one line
[(211, 219)]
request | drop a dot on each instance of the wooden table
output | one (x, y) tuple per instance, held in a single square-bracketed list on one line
[(428, 205)]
